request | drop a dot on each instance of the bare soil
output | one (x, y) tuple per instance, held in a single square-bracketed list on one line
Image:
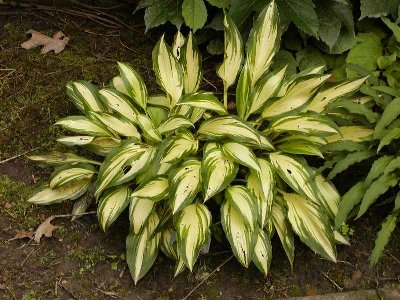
[(80, 261)]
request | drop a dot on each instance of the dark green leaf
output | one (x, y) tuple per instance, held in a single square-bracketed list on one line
[(159, 12), (349, 200), (374, 8), (348, 160), (195, 13)]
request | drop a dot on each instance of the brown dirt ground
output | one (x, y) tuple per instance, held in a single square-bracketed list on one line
[(82, 262)]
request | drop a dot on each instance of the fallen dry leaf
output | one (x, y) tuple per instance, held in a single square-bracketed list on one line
[(56, 43), (45, 229), (7, 205), (23, 234)]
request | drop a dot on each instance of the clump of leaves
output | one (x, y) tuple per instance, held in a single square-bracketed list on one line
[(370, 131), (175, 157)]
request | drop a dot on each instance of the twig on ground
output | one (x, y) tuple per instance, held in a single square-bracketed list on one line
[(393, 257), (18, 155), (71, 215), (331, 280), (217, 269), (26, 258)]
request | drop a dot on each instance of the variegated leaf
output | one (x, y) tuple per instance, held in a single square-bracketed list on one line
[(140, 209), (142, 249), (102, 145), (159, 100), (185, 183), (156, 189), (67, 173), (282, 226), (120, 125), (119, 103), (262, 253), (134, 84), (240, 236), (311, 225), (179, 41), (191, 64), (173, 123), (244, 203), (204, 100), (88, 95), (75, 140), (265, 89), (71, 191), (192, 227), (351, 133), (57, 158), (300, 147), (168, 71), (243, 90), (326, 96), (157, 114), (241, 154), (74, 97), (230, 67), (262, 185), (81, 124), (183, 144), (297, 96), (229, 127), (263, 42), (118, 84), (149, 129), (111, 205), (327, 195), (217, 170)]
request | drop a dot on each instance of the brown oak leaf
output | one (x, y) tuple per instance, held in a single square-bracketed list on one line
[(45, 229), (22, 234), (56, 43)]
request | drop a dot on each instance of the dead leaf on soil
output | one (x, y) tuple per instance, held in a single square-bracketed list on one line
[(45, 229), (56, 43), (3, 287), (22, 234)]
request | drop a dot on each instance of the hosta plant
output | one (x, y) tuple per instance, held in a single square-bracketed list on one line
[(182, 161)]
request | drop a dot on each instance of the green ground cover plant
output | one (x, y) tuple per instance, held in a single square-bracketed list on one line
[(187, 162)]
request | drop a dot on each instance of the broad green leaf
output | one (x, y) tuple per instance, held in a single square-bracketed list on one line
[(71, 191), (157, 114), (111, 205), (383, 237), (149, 129), (297, 95), (217, 171), (140, 209), (243, 201), (355, 108), (390, 113), (389, 135), (230, 67), (374, 9), (185, 183), (102, 145), (265, 89), (348, 202), (119, 125), (262, 185), (241, 154), (310, 57), (311, 225), (351, 133), (142, 249), (328, 196), (243, 91), (239, 234), (282, 226), (191, 65), (394, 28), (57, 158), (345, 146), (74, 97), (309, 124), (67, 173), (123, 164), (88, 95), (229, 127), (134, 84), (174, 123), (296, 173), (377, 169), (377, 188), (194, 13), (219, 3), (192, 227), (159, 12), (183, 144), (204, 100), (81, 124), (155, 190), (262, 253), (365, 53), (119, 103), (302, 14), (299, 137), (300, 147), (394, 164), (349, 160), (263, 42), (168, 71), (328, 95)]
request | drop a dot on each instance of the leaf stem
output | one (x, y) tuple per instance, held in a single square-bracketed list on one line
[(225, 96)]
